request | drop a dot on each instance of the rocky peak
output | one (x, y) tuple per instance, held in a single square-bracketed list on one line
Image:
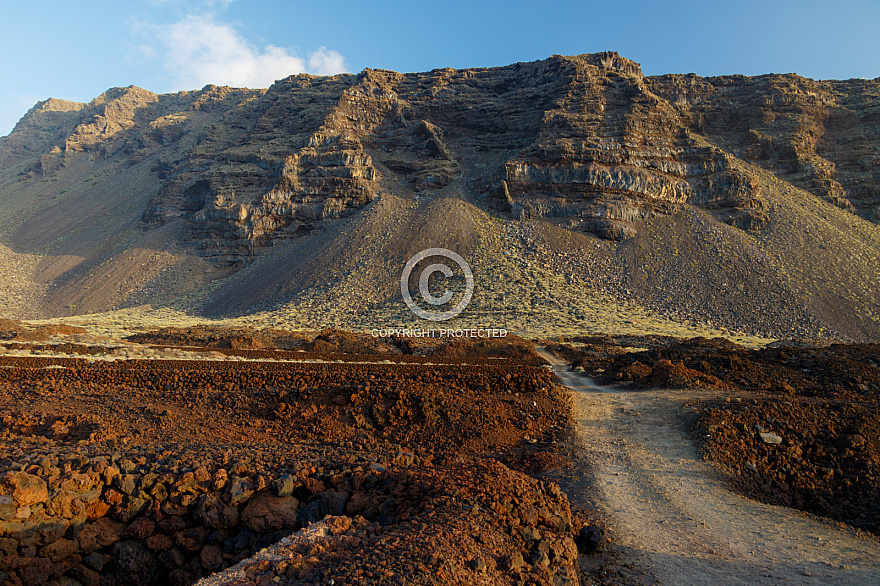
[(115, 110), (43, 128), (610, 61)]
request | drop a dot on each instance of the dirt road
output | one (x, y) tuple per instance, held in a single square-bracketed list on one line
[(671, 517)]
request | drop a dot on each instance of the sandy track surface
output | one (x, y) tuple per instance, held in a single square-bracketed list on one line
[(670, 514)]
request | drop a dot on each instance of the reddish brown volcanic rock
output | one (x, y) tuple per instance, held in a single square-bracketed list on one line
[(160, 472)]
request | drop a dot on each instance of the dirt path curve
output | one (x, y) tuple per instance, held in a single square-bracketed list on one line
[(670, 514)]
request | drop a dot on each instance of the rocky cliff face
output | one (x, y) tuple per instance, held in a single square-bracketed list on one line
[(822, 136), (708, 200), (587, 141)]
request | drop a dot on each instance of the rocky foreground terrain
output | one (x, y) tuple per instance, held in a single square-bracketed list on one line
[(137, 468), (183, 452), (585, 195)]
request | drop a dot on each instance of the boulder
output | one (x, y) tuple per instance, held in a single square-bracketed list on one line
[(59, 550), (309, 514), (284, 485), (212, 512), (133, 564), (239, 490), (140, 529), (7, 508), (101, 533), (333, 502), (266, 512), (590, 539), (26, 489), (770, 438), (211, 557)]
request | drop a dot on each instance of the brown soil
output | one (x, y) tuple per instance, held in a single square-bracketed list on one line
[(413, 449), (441, 408), (221, 337), (16, 330)]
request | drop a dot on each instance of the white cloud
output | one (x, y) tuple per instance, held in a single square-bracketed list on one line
[(326, 62), (199, 49)]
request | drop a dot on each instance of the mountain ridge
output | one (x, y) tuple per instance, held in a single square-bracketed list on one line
[(584, 144)]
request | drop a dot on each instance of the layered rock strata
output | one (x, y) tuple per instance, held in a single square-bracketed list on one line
[(587, 141)]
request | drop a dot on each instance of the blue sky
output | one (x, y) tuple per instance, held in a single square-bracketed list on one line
[(76, 50)]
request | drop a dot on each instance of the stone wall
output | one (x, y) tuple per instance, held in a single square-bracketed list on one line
[(164, 517), (159, 517)]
